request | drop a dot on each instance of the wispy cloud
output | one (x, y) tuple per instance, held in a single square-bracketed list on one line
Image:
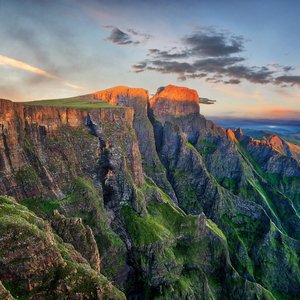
[(4, 60)]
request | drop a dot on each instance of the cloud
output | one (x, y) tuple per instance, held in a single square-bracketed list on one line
[(261, 75), (288, 79), (4, 60), (209, 42), (156, 53), (140, 67), (232, 81), (207, 101), (119, 37), (228, 70), (145, 36), (131, 36), (216, 57)]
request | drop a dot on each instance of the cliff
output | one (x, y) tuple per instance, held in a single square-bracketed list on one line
[(172, 101), (145, 196)]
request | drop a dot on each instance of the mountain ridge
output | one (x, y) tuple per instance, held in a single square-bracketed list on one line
[(178, 207)]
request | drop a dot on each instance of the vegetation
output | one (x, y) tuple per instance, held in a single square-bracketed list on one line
[(32, 237), (229, 183), (77, 102)]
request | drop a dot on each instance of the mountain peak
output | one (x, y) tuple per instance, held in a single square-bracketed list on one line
[(175, 101)]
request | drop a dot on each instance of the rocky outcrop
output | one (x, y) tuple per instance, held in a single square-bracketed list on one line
[(72, 231), (37, 265), (276, 161), (283, 147), (125, 96), (270, 153), (173, 101)]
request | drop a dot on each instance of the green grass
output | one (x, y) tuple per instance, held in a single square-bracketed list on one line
[(41, 207), (206, 147), (77, 102), (211, 225), (228, 183), (27, 176), (143, 230)]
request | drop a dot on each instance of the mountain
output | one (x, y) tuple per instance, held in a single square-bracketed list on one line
[(113, 195)]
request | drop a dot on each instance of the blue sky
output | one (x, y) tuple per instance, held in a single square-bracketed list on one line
[(244, 54)]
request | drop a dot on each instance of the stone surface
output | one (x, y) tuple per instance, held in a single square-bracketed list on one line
[(73, 231), (173, 101)]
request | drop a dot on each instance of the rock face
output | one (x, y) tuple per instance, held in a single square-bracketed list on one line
[(277, 161), (125, 96), (173, 101), (175, 206), (138, 99), (37, 265), (72, 231), (27, 131)]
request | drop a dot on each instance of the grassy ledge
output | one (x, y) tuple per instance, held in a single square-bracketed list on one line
[(79, 103)]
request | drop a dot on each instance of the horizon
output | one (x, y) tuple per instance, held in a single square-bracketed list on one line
[(248, 62)]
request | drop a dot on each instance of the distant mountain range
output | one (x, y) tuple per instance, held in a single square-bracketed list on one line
[(259, 128)]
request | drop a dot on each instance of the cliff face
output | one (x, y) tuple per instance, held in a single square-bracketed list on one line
[(138, 99), (72, 231), (28, 144), (276, 161), (172, 101), (198, 155), (171, 205)]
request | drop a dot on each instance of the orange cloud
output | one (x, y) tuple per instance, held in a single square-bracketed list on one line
[(4, 60)]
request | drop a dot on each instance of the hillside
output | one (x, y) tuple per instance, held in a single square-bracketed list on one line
[(114, 195)]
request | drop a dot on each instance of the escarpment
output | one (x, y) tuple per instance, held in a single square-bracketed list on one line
[(126, 195), (172, 101), (138, 99)]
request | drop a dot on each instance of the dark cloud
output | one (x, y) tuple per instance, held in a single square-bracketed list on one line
[(213, 44), (119, 37), (232, 81), (215, 70), (171, 67), (130, 36), (139, 67), (158, 54), (288, 68), (288, 79), (211, 55), (261, 75), (207, 101), (218, 64)]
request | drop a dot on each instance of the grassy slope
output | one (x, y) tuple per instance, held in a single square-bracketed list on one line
[(76, 274), (76, 102)]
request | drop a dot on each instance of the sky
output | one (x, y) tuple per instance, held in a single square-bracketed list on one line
[(244, 54)]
